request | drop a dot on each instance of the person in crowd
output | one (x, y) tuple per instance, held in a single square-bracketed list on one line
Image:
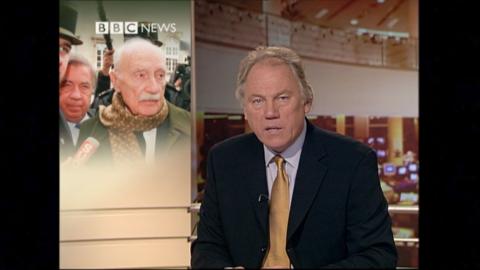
[(103, 76), (75, 93), (67, 38)]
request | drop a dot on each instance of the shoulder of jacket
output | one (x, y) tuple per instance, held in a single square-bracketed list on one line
[(179, 119), (237, 144), (93, 128), (339, 144)]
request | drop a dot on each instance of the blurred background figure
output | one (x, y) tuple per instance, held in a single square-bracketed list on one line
[(75, 93), (103, 77), (178, 89)]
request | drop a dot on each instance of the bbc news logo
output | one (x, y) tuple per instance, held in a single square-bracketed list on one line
[(132, 27), (116, 28)]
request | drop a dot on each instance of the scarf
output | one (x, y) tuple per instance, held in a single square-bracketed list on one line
[(122, 124)]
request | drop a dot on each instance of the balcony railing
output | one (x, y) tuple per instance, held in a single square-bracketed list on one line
[(233, 27)]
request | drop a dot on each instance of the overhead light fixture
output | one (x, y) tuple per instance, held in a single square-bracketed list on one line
[(353, 21), (380, 1), (362, 31), (392, 22), (321, 13)]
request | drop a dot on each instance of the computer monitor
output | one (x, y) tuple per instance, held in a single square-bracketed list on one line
[(380, 140), (409, 197), (412, 167), (402, 170), (381, 153), (414, 177), (370, 140), (389, 169)]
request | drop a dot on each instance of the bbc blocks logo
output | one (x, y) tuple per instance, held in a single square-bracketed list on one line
[(133, 27)]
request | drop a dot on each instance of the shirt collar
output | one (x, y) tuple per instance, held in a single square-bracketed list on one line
[(85, 118), (292, 153)]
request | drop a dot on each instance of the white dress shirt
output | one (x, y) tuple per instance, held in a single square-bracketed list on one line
[(75, 129), (150, 139), (292, 158)]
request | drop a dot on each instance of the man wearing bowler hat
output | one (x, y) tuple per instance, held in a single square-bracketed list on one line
[(67, 38)]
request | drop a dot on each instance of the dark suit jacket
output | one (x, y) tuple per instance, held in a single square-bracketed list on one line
[(67, 148), (65, 136), (338, 216), (173, 137)]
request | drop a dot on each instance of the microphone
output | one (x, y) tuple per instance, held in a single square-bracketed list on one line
[(262, 197), (85, 151)]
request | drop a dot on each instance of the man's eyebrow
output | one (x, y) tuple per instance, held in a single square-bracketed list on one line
[(65, 82), (255, 95), (139, 69), (283, 92), (66, 44)]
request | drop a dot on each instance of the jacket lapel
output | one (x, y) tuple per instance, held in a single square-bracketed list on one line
[(141, 142), (309, 177), (65, 134), (256, 177), (168, 133), (166, 138)]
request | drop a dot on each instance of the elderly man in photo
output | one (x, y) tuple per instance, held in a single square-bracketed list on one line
[(139, 125)]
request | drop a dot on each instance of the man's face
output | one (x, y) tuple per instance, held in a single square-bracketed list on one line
[(65, 47), (273, 104), (75, 92), (141, 81)]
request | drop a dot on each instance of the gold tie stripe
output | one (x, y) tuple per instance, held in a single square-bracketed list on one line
[(278, 218)]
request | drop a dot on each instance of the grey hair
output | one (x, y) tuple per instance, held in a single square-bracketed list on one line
[(79, 60), (282, 55), (134, 44)]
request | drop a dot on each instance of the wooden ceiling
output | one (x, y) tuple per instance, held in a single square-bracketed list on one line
[(382, 15), (391, 15)]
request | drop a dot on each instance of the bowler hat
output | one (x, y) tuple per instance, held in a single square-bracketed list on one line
[(151, 36), (68, 22)]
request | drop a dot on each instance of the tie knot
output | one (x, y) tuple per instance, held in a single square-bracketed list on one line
[(278, 160), (77, 125)]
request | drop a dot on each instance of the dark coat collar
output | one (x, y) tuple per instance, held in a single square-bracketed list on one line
[(309, 177), (310, 174)]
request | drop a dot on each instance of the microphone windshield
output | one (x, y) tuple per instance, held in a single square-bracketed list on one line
[(85, 151)]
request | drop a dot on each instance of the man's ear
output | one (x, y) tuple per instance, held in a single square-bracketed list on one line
[(307, 106), (113, 78), (244, 111)]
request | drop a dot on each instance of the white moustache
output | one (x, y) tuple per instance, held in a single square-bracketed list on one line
[(148, 97)]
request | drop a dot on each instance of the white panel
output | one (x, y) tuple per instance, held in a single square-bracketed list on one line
[(358, 90), (109, 224), (338, 88), (165, 185), (125, 254), (216, 71)]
